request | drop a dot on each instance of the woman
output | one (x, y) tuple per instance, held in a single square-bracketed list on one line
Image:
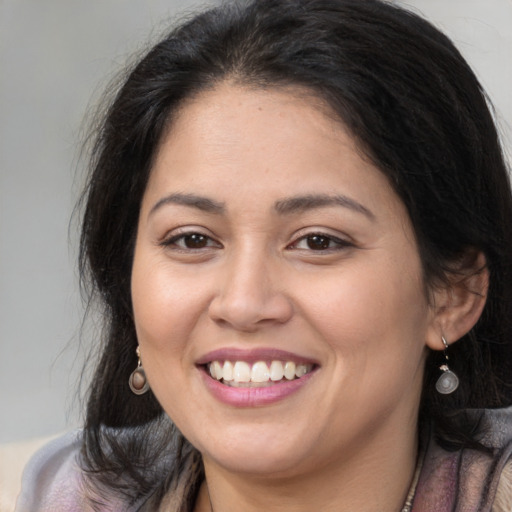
[(298, 221)]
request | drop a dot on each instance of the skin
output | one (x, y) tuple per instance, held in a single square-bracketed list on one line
[(347, 439)]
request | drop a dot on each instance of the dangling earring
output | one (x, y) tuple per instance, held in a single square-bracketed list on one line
[(138, 382), (448, 382)]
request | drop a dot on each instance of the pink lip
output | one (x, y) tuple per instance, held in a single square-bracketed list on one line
[(253, 355), (253, 397)]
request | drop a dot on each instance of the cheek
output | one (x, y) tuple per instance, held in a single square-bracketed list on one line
[(165, 304), (160, 309), (151, 298), (372, 315), (169, 308), (374, 324), (159, 315)]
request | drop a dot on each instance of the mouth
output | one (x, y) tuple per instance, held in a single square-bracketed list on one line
[(258, 374)]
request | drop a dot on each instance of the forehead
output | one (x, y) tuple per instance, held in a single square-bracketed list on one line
[(267, 142), (245, 109)]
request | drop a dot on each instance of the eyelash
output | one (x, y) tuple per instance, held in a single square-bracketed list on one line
[(183, 237), (326, 242), (322, 238)]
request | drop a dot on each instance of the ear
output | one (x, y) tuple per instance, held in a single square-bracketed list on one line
[(458, 304)]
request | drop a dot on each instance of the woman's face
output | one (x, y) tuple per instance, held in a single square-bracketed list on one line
[(266, 242)]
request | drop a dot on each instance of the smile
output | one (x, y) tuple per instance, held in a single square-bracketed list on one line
[(258, 374), (257, 377)]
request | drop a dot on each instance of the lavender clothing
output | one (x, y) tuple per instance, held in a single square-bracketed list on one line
[(53, 481), (466, 480), (461, 481)]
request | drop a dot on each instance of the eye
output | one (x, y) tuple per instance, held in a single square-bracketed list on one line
[(319, 242), (190, 241)]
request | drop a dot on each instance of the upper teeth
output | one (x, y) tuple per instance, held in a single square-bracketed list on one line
[(259, 372)]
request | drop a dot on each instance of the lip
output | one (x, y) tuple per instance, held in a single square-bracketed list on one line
[(253, 397), (257, 396), (253, 355)]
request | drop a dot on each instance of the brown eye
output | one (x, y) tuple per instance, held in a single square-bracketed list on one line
[(190, 241), (195, 241), (318, 242)]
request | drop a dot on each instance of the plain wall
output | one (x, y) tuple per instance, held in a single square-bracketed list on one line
[(55, 56)]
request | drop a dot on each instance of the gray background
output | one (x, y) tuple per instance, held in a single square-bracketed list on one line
[(55, 58)]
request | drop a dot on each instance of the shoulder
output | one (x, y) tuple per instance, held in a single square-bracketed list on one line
[(503, 500), (501, 422), (470, 479), (499, 427), (52, 479)]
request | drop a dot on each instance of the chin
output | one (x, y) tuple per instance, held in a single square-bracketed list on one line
[(263, 456), (255, 463)]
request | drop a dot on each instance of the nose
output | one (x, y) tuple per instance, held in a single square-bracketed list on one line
[(250, 294)]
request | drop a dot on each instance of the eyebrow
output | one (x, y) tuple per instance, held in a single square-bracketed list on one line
[(295, 204), (298, 204), (202, 203)]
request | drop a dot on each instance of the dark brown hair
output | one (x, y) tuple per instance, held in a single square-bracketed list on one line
[(418, 112)]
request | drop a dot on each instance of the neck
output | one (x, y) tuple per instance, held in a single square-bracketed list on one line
[(377, 478)]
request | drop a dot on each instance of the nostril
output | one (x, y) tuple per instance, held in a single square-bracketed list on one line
[(249, 293), (251, 313)]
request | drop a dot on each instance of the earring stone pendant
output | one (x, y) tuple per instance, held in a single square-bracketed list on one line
[(138, 382), (448, 382)]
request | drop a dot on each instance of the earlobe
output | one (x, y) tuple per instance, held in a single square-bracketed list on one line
[(459, 304)]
